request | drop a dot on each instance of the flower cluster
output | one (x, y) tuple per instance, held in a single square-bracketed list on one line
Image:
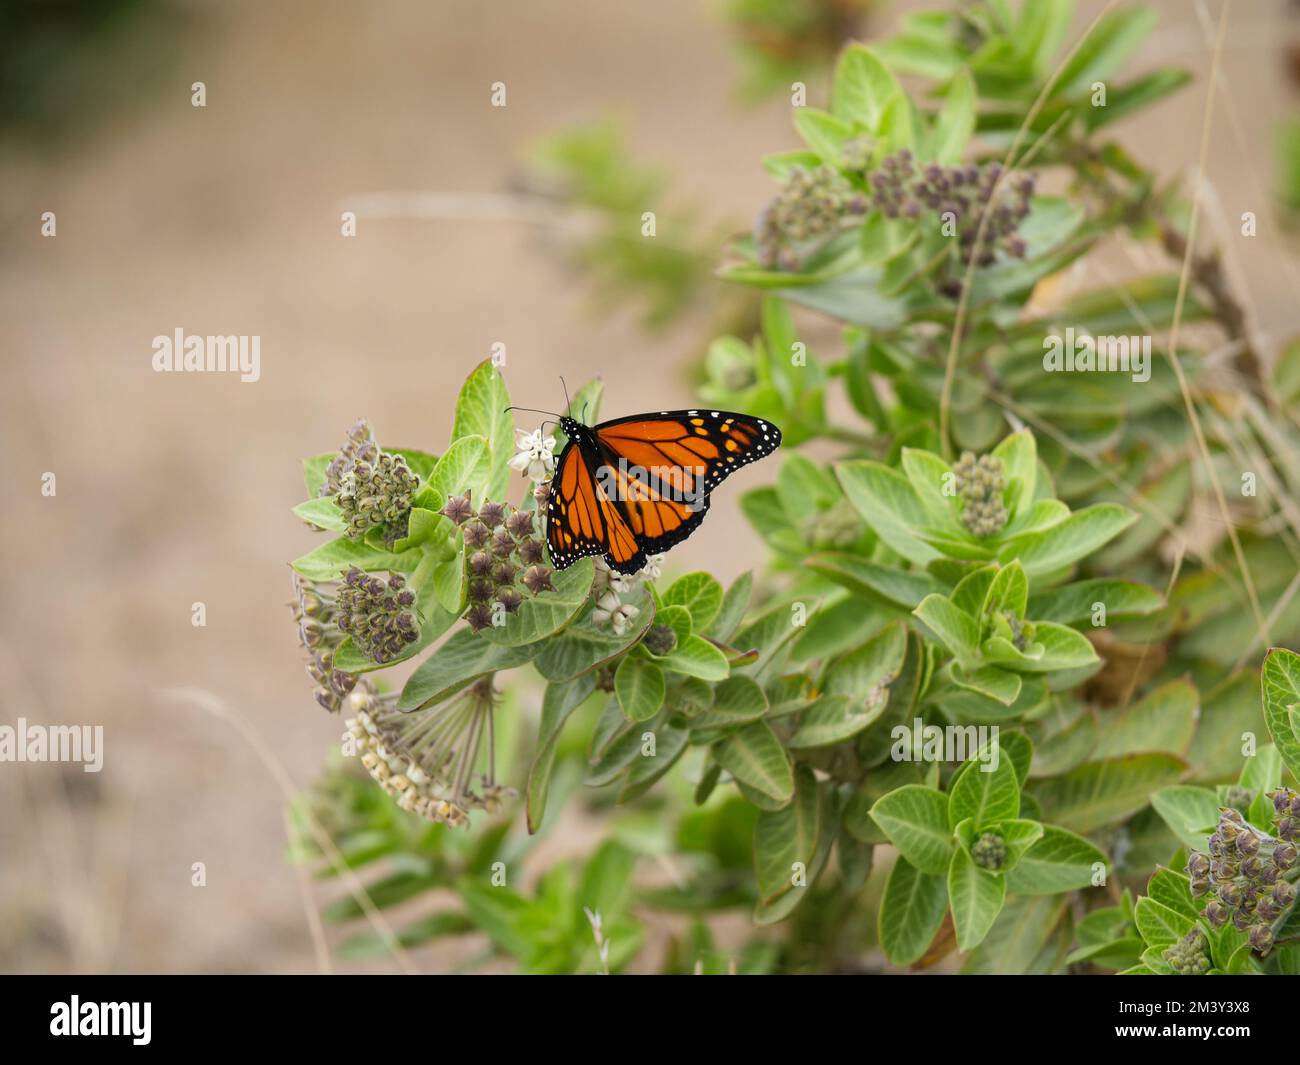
[(961, 196), (426, 759), (1248, 872), (504, 553), (377, 495), (377, 614), (360, 446), (536, 454), (989, 851), (315, 612), (979, 483), (807, 210), (609, 585), (1189, 956)]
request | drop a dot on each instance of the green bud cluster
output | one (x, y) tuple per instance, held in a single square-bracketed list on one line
[(1248, 872), (660, 640), (989, 851), (838, 526), (315, 611), (377, 614), (377, 495), (1190, 956), (979, 483), (807, 210), (504, 552), (970, 195)]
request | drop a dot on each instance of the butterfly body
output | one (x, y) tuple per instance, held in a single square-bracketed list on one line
[(636, 486)]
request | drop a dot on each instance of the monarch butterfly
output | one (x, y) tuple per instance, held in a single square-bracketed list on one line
[(636, 486)]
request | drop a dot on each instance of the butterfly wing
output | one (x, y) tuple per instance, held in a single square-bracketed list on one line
[(664, 466), (581, 519)]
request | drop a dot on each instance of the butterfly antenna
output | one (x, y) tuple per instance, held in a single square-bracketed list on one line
[(568, 403), (534, 410)]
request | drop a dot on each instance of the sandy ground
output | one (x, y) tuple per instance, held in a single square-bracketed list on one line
[(173, 489)]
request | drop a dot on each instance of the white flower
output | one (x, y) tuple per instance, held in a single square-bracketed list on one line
[(536, 455), (652, 568)]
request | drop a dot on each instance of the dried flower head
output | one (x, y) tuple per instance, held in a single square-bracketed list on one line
[(428, 759)]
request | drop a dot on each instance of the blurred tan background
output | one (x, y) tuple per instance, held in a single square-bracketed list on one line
[(173, 489)]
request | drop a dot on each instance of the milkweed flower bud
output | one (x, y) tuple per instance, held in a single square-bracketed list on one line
[(458, 509), (377, 496), (376, 614), (989, 851), (979, 482), (537, 579), (1189, 956), (660, 639), (492, 514)]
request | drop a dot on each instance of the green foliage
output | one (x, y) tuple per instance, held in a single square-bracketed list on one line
[(995, 670)]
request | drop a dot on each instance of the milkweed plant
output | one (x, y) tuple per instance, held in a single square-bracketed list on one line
[(1010, 693)]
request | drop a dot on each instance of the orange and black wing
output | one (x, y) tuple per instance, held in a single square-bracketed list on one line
[(663, 466), (582, 519)]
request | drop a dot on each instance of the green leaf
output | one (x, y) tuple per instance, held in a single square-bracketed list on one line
[(1190, 812), (545, 614), (1114, 37), (331, 560), (755, 757), (915, 818), (559, 702), (1072, 604), (787, 836), (696, 657), (1018, 454), (583, 646), (1020, 942), (1100, 793), (823, 133), (911, 912), (463, 658), (1009, 592), (1175, 891), (834, 718), (956, 630), (984, 797), (1280, 680), (734, 605), (738, 700), (465, 465), (863, 87), (1160, 926), (955, 123), (886, 584), (700, 594), (888, 503), (322, 512), (1164, 720), (639, 685), (928, 474), (1060, 861), (1079, 535), (975, 896), (1135, 95), (481, 411)]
